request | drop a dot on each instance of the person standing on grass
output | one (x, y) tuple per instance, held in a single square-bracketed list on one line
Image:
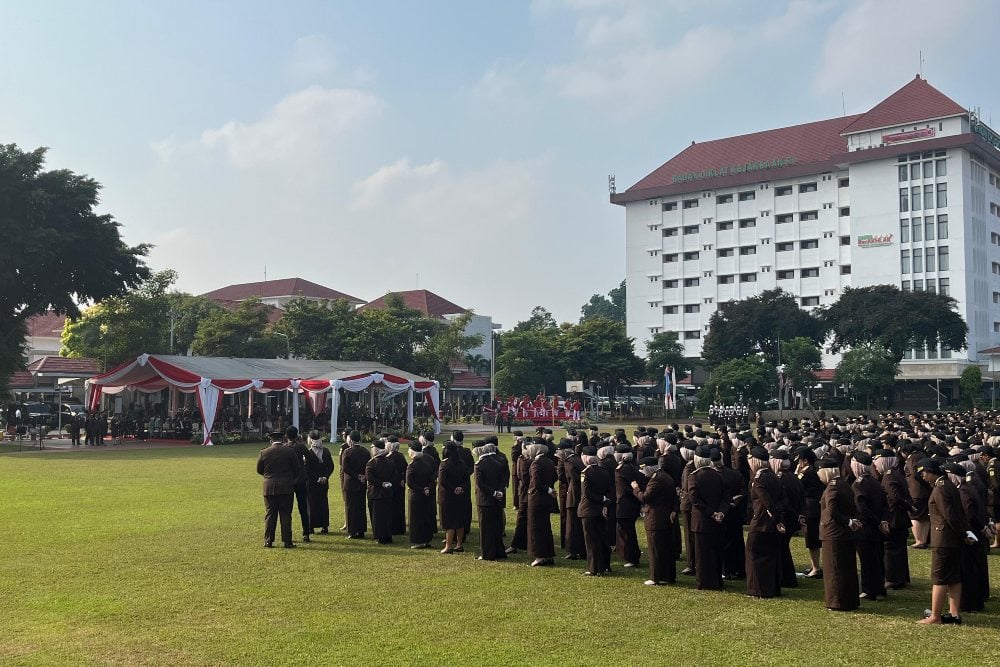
[(491, 494), (420, 482), (837, 525), (812, 491), (454, 497), (380, 476), (763, 547), (434, 458), (319, 467), (572, 468), (873, 512), (597, 487), (708, 512), (660, 506), (522, 464), (399, 491), (627, 507), (949, 530), (895, 557), (280, 467), (355, 459), (515, 454), (541, 502), (920, 492), (975, 573), (294, 442), (794, 516)]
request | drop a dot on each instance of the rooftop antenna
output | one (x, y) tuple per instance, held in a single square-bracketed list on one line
[(921, 64), (611, 183), (843, 104), (265, 273)]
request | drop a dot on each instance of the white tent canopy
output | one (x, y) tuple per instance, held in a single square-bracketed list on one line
[(211, 377)]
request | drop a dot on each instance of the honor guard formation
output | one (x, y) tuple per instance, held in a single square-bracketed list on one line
[(725, 503)]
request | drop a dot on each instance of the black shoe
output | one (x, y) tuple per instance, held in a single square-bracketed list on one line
[(289, 545), (510, 550), (323, 531), (305, 538), (818, 574), (948, 619), (571, 557)]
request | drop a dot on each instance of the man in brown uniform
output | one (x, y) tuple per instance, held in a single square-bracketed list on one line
[(280, 467)]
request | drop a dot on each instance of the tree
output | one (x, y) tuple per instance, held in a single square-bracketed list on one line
[(189, 312), (529, 362), (801, 358), (896, 320), (392, 335), (243, 332), (970, 386), (122, 327), (447, 345), (867, 370), (540, 320), (611, 307), (755, 326), (477, 363), (57, 252), (748, 378), (319, 329), (663, 350), (598, 349)]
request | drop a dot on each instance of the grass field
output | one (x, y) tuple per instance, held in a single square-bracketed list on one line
[(155, 557)]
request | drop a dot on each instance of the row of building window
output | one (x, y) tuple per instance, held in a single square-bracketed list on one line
[(750, 195), (942, 285), (918, 170), (927, 353), (910, 198), (730, 278), (920, 261), (924, 229), (914, 157)]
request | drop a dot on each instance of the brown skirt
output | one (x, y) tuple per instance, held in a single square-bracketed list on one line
[(840, 575), (946, 566)]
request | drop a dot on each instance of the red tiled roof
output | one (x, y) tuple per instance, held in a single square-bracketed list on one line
[(70, 366), (807, 143), (991, 350), (467, 380), (293, 287), (21, 380), (49, 325), (825, 374), (423, 300), (916, 101), (273, 312)]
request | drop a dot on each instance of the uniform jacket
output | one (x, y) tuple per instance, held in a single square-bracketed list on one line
[(598, 486), (490, 476), (659, 499), (948, 521), (355, 459), (766, 502), (628, 506), (837, 508), (280, 467), (707, 496)]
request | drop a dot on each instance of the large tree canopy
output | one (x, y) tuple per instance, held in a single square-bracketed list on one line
[(598, 349), (56, 251), (896, 320), (662, 350), (755, 325), (610, 307), (867, 370)]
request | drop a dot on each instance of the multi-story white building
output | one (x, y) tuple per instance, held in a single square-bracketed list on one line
[(906, 194)]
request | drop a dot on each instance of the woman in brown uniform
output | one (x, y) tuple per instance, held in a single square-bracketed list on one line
[(837, 525)]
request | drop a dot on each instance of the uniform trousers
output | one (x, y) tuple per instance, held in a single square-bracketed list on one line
[(275, 508)]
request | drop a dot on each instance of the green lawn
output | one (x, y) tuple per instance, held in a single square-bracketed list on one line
[(155, 557)]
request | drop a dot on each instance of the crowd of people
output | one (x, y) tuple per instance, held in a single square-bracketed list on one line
[(728, 414), (733, 499)]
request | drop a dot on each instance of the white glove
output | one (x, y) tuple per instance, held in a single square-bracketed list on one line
[(386, 485), (969, 535)]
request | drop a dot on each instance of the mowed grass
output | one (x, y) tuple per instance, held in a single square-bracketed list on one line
[(155, 557)]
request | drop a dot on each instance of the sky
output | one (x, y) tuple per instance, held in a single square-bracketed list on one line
[(460, 147)]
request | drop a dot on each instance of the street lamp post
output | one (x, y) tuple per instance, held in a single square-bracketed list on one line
[(493, 359), (288, 342), (173, 314)]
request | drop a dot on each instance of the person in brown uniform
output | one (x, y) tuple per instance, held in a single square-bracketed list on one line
[(597, 486), (837, 525), (708, 512), (660, 506), (949, 531), (988, 457), (420, 482), (319, 467), (812, 491), (873, 512), (541, 502), (380, 475), (515, 477), (454, 497), (733, 545), (280, 467), (920, 492), (794, 516), (355, 459), (687, 453), (491, 495), (766, 526), (573, 467), (974, 562), (522, 465), (434, 458), (885, 465), (627, 508), (399, 490)]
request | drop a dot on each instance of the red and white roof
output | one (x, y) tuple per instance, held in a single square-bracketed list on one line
[(273, 289), (423, 300)]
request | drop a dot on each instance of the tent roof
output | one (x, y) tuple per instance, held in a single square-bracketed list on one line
[(230, 368)]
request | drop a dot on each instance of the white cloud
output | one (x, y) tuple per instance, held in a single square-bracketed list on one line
[(312, 57), (170, 236), (389, 180), (796, 19), (875, 45), (300, 126)]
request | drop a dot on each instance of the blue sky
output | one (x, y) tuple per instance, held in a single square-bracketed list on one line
[(460, 146)]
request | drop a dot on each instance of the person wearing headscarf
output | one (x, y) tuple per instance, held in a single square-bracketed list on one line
[(606, 459), (465, 454), (434, 458), (454, 497), (974, 556), (734, 492), (421, 486), (380, 474), (564, 449), (687, 453), (660, 506), (873, 512), (627, 507), (885, 467), (491, 496), (988, 457), (319, 467), (515, 454), (949, 532), (920, 493), (597, 486), (541, 502), (399, 491), (708, 512), (355, 459), (837, 525), (766, 526), (572, 467), (522, 464), (812, 491)]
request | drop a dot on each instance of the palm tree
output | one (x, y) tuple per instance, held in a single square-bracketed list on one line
[(477, 363)]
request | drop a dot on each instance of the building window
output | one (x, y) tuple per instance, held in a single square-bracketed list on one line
[(708, 299), (943, 287), (904, 231), (809, 245), (692, 335), (765, 269), (670, 258), (929, 228), (810, 301), (929, 256), (706, 221), (690, 229), (670, 206), (845, 240), (724, 252), (941, 168), (928, 196), (654, 330), (783, 247), (917, 230), (943, 263), (691, 282), (918, 285), (779, 219), (807, 187), (724, 199), (669, 284), (690, 203), (918, 261), (942, 195), (707, 246), (827, 263), (706, 274), (749, 195), (689, 256), (844, 183), (904, 257), (726, 280), (808, 215), (723, 226), (915, 197), (654, 304), (915, 171), (845, 269), (904, 200), (748, 277), (654, 253), (942, 227), (653, 279), (670, 232), (782, 190), (904, 173), (748, 250), (845, 211), (670, 310), (787, 274), (905, 286), (746, 223), (692, 308), (931, 285), (809, 273)]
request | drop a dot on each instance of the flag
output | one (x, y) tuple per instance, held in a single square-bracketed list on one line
[(669, 397)]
